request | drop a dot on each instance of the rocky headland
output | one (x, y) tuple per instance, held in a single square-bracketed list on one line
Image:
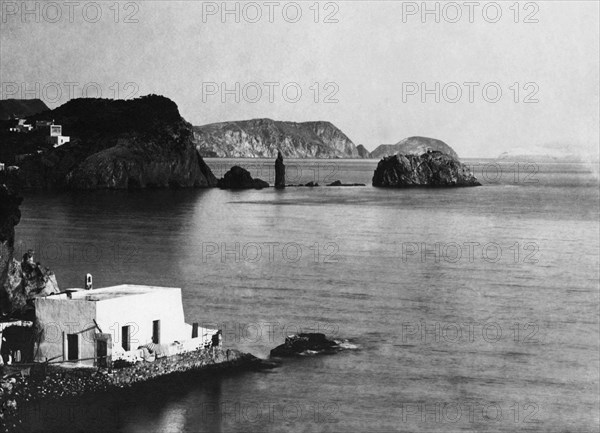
[(265, 138), (117, 144)]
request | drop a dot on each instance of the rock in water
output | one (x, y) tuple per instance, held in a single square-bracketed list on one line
[(279, 172), (239, 178), (296, 344), (431, 169)]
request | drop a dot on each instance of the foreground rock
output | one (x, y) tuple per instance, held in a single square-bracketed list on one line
[(432, 169), (117, 144), (264, 138), (296, 345), (239, 178), (279, 172)]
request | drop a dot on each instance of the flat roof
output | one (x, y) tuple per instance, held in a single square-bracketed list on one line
[(105, 293)]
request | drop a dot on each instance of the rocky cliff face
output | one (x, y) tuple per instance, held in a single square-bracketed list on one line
[(19, 281), (432, 169), (10, 215), (413, 146), (115, 144), (262, 138)]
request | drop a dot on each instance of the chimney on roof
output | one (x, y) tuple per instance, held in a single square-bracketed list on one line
[(88, 282)]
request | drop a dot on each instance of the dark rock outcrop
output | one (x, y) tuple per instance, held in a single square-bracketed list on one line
[(20, 108), (239, 178), (117, 144), (298, 344), (279, 172), (432, 169), (413, 146), (363, 152), (264, 138)]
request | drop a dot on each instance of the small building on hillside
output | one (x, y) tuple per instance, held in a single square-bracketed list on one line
[(56, 138), (127, 322)]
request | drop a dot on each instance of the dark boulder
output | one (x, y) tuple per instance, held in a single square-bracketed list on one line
[(239, 178), (297, 344), (431, 169), (279, 172)]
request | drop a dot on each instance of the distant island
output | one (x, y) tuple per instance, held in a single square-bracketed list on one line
[(263, 138), (413, 146)]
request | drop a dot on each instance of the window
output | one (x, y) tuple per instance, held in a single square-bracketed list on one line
[(156, 331), (126, 337), (72, 347)]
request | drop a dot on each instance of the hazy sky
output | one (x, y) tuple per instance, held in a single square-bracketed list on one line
[(366, 64)]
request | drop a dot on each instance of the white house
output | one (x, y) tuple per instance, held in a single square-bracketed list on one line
[(98, 325)]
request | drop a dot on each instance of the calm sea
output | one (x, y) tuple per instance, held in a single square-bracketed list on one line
[(469, 310)]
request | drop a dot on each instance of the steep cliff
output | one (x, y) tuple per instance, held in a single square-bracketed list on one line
[(431, 169), (116, 144), (262, 138), (413, 146)]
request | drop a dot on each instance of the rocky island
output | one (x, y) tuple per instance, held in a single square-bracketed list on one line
[(432, 168)]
